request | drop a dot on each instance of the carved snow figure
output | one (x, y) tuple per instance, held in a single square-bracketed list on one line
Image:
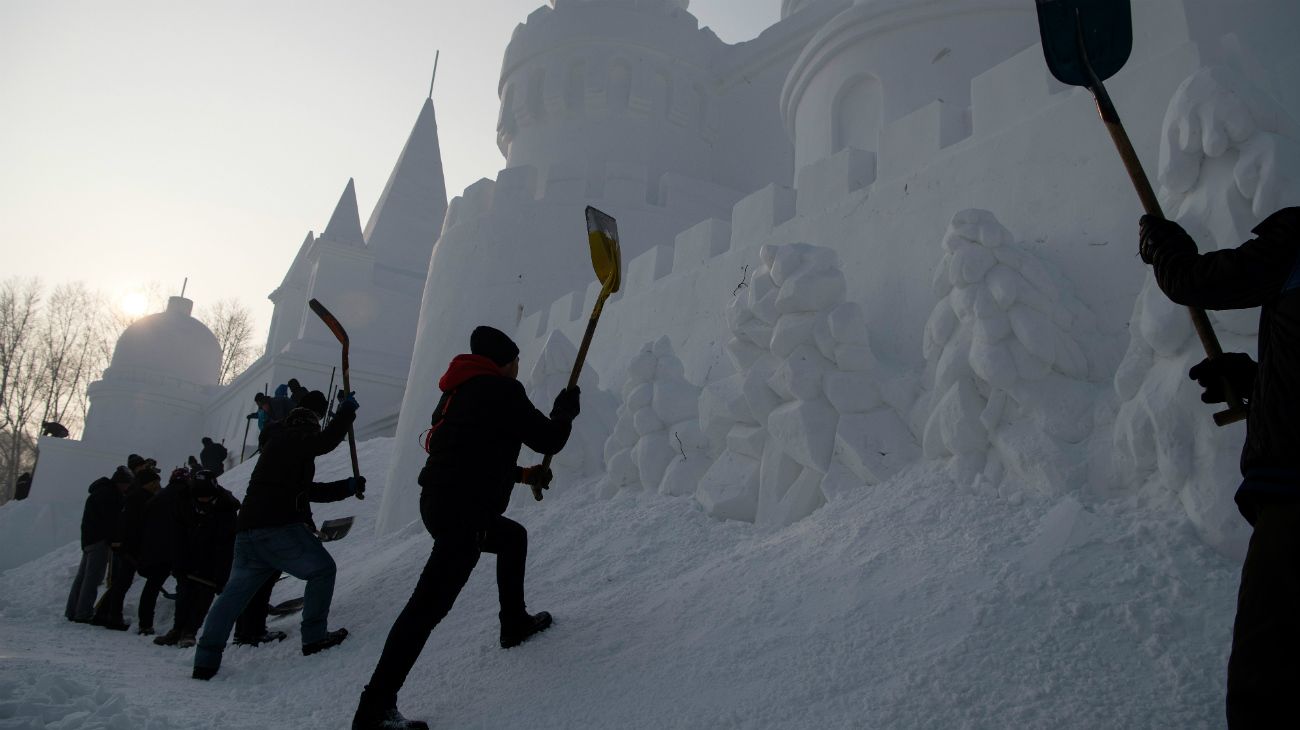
[(803, 418), (656, 443), (581, 457), (1006, 362), (1228, 158)]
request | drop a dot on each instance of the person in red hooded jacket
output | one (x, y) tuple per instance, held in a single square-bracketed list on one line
[(482, 420)]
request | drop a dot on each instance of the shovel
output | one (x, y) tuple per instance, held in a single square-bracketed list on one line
[(1084, 43), (607, 260)]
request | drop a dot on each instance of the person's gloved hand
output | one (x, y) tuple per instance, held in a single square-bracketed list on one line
[(536, 476), (1156, 234), (566, 406), (1236, 368), (347, 402), (357, 486)]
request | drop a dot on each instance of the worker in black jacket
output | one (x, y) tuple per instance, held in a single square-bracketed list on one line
[(98, 519), (276, 530), (160, 535), (1263, 272), (126, 552), (479, 426), (213, 456)]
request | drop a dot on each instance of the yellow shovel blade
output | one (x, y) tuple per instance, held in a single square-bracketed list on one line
[(606, 258)]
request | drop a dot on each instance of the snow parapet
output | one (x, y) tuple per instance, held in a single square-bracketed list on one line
[(1007, 369), (656, 443), (1227, 159)]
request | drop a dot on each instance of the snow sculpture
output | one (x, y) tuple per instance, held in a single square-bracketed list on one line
[(581, 456), (804, 416), (656, 443), (1227, 160), (1006, 362)]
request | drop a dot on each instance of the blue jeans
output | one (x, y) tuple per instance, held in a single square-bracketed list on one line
[(292, 549)]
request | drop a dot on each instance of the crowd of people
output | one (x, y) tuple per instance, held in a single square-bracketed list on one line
[(196, 531)]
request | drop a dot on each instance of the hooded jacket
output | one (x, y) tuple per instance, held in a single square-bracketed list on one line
[(160, 528), (479, 426), (1263, 272), (99, 518), (205, 545), (281, 487)]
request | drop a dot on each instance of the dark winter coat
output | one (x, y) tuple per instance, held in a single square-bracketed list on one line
[(281, 490), (206, 544), (99, 518), (479, 426), (213, 458), (130, 521), (160, 529), (1263, 272)]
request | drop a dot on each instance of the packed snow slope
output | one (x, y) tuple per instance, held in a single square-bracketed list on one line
[(915, 603)]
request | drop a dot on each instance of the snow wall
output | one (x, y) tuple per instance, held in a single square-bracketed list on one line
[(961, 291)]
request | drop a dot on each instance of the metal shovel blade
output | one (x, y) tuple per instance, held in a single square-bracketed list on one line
[(1105, 28), (606, 258)]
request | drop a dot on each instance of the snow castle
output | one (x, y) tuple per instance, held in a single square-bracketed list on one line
[(878, 233)]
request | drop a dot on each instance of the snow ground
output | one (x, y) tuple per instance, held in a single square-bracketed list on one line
[(912, 604)]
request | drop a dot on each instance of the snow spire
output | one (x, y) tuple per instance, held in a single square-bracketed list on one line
[(408, 217), (345, 224)]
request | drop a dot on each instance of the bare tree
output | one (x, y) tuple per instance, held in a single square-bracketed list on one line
[(19, 312), (232, 323)]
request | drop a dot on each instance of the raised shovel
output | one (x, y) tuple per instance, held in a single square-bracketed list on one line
[(1086, 42), (607, 260)]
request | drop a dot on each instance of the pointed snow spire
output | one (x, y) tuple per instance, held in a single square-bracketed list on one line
[(408, 217), (297, 272), (345, 225)]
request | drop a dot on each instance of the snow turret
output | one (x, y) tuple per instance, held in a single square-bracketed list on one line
[(290, 299), (883, 59), (345, 224), (408, 217), (171, 344), (620, 84)]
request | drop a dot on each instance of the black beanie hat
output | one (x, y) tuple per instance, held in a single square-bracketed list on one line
[(494, 345), (315, 402), (203, 484), (133, 461), (123, 476)]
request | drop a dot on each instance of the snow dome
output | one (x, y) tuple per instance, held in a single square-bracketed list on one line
[(882, 59), (170, 343)]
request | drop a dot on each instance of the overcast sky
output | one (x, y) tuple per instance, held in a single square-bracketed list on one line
[(150, 141)]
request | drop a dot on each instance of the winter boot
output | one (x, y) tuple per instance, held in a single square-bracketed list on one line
[(265, 638), (113, 624), (145, 630), (168, 639), (382, 715), (332, 639), (186, 641), (516, 631), (204, 673)]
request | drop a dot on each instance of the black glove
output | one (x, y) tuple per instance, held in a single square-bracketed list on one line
[(357, 485), (566, 406), (1156, 234), (1235, 368), (536, 476)]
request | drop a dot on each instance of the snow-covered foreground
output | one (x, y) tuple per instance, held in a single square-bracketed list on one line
[(915, 603)]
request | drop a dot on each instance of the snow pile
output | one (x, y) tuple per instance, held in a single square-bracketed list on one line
[(1228, 157), (656, 443), (917, 604), (1007, 370), (805, 406), (581, 456), (53, 702)]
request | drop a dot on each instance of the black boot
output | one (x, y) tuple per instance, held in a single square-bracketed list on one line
[(265, 638), (382, 714), (168, 639), (111, 623), (516, 631), (333, 638)]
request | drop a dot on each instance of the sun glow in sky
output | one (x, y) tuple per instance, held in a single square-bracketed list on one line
[(143, 142), (133, 304)]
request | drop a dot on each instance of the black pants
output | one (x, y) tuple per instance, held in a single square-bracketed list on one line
[(153, 584), (252, 622), (1264, 671), (120, 576), (450, 563), (193, 599)]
